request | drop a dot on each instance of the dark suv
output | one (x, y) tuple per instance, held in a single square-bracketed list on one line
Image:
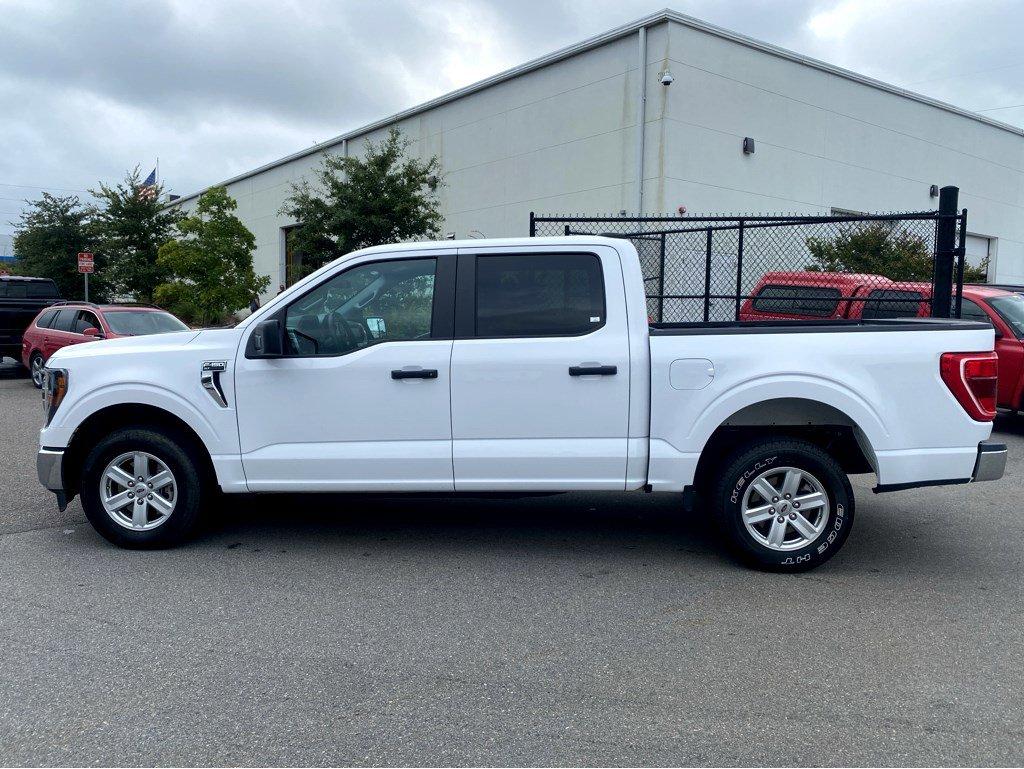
[(21, 299)]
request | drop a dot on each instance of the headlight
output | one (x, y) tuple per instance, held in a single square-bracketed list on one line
[(55, 388)]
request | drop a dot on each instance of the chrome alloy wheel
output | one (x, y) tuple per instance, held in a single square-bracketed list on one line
[(37, 368), (785, 508), (138, 491)]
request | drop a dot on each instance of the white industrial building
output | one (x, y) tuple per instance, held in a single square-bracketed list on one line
[(559, 135)]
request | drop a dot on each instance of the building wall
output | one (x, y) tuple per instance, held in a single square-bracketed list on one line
[(562, 139), (823, 142)]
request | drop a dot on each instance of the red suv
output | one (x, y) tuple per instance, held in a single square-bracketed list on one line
[(77, 322)]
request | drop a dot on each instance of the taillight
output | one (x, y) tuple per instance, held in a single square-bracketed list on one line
[(973, 378)]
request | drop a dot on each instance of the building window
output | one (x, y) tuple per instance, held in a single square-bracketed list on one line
[(292, 256)]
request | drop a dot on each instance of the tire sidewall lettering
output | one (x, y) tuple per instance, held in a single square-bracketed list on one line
[(757, 469)]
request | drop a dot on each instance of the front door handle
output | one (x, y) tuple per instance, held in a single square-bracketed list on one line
[(593, 370), (414, 373)]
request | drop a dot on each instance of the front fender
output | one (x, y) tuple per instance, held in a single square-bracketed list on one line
[(220, 437)]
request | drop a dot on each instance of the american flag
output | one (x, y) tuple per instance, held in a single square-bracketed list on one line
[(148, 188)]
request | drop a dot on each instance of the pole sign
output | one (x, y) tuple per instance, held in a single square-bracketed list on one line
[(85, 263)]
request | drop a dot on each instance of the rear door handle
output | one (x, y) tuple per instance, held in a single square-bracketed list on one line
[(593, 370), (414, 373)]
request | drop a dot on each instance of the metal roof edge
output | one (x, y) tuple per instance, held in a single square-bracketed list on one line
[(594, 42)]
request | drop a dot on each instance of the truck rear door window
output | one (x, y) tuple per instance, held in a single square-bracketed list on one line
[(813, 301), (893, 303), (971, 311), (525, 295), (42, 289)]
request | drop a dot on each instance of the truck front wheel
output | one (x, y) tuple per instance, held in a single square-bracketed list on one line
[(141, 489), (785, 505)]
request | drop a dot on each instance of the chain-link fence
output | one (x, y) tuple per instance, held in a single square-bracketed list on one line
[(702, 269)]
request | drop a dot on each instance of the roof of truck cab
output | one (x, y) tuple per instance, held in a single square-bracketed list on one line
[(824, 279), (560, 240), (970, 290)]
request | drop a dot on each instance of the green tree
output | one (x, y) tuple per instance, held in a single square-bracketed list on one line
[(383, 197), (209, 265), (880, 249), (47, 241), (129, 225)]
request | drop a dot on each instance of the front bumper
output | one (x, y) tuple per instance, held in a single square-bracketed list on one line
[(50, 468), (991, 462)]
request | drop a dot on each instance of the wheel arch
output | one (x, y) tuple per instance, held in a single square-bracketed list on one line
[(823, 424), (141, 415)]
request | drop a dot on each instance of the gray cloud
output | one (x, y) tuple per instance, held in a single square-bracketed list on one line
[(214, 88)]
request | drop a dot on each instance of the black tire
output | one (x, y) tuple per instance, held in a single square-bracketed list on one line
[(743, 467), (35, 362), (180, 457)]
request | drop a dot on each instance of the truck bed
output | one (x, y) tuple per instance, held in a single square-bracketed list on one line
[(814, 326), (885, 387)]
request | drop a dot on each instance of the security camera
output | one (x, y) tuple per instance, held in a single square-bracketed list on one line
[(666, 78)]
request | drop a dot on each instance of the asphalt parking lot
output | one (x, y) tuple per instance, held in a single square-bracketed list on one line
[(575, 629)]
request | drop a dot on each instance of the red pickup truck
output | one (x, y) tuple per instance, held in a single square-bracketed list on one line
[(814, 295)]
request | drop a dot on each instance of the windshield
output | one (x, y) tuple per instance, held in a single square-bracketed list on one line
[(142, 322), (1010, 309)]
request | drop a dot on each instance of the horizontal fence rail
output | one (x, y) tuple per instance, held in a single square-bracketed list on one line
[(718, 268)]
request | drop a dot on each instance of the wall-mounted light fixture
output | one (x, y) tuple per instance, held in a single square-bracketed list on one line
[(666, 78), (933, 191), (748, 145)]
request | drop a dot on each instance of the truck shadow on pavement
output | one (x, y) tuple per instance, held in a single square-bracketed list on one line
[(561, 522)]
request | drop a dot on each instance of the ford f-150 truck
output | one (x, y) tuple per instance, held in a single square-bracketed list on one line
[(521, 365)]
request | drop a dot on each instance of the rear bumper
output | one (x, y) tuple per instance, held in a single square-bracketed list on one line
[(991, 462), (988, 466)]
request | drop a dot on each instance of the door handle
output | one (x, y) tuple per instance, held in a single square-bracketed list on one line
[(593, 370), (414, 373)]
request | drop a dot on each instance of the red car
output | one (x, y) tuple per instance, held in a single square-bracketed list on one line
[(815, 295), (77, 322)]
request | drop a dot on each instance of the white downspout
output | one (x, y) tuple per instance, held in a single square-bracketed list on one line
[(641, 119)]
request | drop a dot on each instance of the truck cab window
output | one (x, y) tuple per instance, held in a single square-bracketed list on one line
[(815, 301), (539, 295), (894, 303), (388, 301)]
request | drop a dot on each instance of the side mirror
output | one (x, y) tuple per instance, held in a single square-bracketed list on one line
[(266, 340), (377, 327), (93, 331), (999, 334)]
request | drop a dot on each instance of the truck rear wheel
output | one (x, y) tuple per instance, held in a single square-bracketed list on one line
[(141, 489), (785, 505)]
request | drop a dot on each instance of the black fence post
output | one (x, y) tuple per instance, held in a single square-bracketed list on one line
[(739, 270), (661, 282), (533, 225), (945, 249), (707, 280)]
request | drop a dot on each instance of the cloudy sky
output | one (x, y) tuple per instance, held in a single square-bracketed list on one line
[(216, 87)]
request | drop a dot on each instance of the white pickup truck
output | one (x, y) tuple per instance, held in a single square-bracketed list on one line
[(521, 365)]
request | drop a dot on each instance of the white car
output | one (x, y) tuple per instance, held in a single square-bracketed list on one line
[(520, 365)]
